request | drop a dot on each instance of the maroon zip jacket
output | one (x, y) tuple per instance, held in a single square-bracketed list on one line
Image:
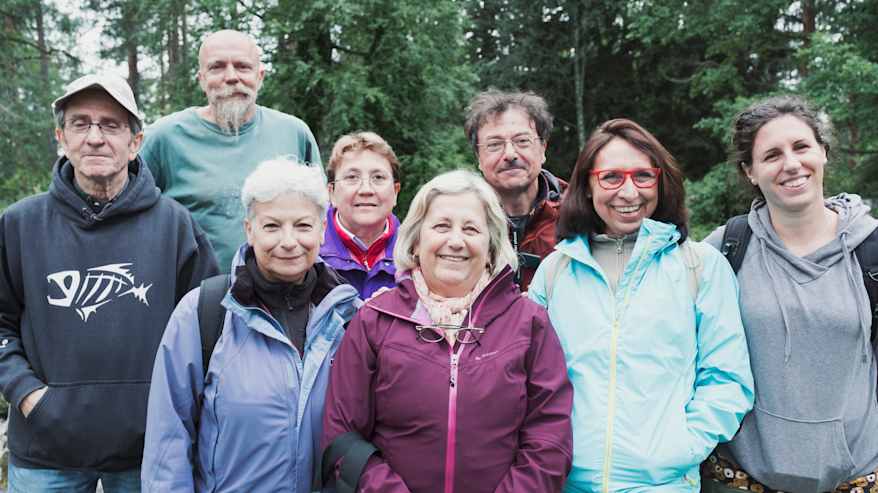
[(487, 417)]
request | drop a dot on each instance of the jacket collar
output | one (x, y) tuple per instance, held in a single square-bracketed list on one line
[(652, 237), (495, 299), (333, 296), (334, 247)]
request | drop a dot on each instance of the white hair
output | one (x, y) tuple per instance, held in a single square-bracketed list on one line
[(279, 176), (456, 182)]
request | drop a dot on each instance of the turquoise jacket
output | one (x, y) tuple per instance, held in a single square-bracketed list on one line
[(659, 377)]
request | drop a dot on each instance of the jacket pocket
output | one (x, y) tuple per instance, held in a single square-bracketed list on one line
[(793, 454), (94, 426)]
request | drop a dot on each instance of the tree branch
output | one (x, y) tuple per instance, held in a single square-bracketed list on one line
[(27, 42)]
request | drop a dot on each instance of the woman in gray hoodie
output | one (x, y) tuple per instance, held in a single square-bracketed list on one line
[(806, 313)]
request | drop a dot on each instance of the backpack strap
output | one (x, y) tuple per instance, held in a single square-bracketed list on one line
[(736, 237), (211, 314), (694, 259), (867, 256), (554, 266), (355, 452)]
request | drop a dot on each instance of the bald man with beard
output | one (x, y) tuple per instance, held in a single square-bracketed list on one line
[(201, 155)]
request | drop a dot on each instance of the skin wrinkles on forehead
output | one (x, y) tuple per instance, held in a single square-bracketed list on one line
[(227, 37)]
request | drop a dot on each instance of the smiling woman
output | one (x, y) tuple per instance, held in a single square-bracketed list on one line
[(285, 318), (454, 335), (649, 321), (803, 300), (361, 229)]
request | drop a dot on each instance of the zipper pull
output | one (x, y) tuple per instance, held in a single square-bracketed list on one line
[(455, 359), (619, 246)]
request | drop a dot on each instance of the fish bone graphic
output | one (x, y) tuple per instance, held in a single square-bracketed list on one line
[(99, 286)]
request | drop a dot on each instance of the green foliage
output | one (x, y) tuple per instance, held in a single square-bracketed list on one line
[(33, 67), (719, 195)]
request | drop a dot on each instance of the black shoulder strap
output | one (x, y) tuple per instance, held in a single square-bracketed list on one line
[(211, 314), (355, 451), (867, 256), (736, 237)]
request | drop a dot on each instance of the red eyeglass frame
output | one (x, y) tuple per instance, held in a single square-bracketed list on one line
[(626, 175)]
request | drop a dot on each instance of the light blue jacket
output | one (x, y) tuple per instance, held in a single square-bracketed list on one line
[(658, 378), (259, 426)]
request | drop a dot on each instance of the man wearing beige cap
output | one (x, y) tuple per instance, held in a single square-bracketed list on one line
[(90, 272), (201, 155)]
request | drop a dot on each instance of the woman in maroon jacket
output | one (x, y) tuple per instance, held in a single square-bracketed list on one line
[(456, 379)]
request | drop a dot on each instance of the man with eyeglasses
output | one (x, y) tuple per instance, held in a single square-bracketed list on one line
[(201, 155), (89, 275), (509, 132)]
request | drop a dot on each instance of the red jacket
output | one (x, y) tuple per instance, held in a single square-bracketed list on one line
[(486, 417), (539, 235)]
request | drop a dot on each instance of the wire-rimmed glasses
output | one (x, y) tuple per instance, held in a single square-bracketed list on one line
[(437, 332), (520, 143), (81, 126)]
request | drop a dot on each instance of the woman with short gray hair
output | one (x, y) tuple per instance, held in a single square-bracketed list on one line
[(457, 379), (247, 417)]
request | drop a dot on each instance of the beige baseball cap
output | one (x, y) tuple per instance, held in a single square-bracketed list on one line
[(116, 86)]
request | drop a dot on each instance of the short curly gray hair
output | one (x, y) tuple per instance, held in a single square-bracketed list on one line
[(279, 176), (455, 182)]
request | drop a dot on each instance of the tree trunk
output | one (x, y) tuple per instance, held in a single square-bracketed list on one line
[(51, 146), (579, 75), (130, 30), (809, 27)]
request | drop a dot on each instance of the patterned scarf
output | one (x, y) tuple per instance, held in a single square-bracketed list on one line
[(447, 310)]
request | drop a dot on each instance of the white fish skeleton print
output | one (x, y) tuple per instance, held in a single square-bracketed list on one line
[(99, 286)]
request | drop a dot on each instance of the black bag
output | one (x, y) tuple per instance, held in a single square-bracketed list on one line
[(211, 314), (355, 451)]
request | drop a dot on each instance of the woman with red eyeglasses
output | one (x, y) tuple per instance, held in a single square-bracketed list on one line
[(648, 320)]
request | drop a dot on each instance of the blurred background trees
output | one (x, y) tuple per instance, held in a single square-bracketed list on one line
[(406, 68)]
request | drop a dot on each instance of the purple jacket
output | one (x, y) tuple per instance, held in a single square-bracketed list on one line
[(334, 253), (486, 417)]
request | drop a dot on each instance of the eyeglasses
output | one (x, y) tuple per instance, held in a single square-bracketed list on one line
[(436, 333), (378, 181), (613, 178), (106, 127), (521, 143)]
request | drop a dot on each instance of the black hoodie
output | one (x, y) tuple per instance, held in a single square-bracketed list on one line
[(84, 300)]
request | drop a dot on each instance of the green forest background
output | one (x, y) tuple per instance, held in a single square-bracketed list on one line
[(406, 69)]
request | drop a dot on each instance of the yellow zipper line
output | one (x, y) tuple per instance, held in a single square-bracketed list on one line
[(611, 400)]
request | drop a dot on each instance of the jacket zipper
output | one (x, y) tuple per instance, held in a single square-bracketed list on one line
[(451, 440), (451, 437), (611, 391)]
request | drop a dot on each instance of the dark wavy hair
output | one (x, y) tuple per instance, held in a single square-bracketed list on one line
[(578, 215)]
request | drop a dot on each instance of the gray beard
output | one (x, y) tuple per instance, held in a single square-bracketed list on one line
[(230, 113)]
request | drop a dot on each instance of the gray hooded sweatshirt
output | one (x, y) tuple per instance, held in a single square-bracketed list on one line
[(808, 323)]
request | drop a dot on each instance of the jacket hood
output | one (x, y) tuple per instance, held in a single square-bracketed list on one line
[(554, 185), (492, 302), (854, 225), (140, 193)]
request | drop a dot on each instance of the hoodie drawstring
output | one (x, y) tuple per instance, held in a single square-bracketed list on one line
[(788, 342)]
